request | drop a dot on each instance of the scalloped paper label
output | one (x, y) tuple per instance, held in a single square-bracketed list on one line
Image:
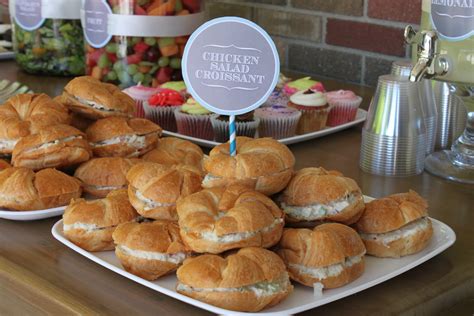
[(230, 65), (28, 14), (95, 22)]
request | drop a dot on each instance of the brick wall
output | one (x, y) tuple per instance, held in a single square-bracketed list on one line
[(349, 40)]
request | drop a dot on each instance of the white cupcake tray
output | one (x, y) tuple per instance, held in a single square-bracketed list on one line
[(377, 270), (31, 215), (360, 117)]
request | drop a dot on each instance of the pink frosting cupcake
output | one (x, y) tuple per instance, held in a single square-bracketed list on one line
[(140, 94), (344, 105)]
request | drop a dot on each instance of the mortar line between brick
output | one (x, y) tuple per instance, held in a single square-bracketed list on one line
[(324, 22), (366, 8), (362, 69)]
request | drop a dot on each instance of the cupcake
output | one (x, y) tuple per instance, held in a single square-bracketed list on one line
[(160, 108), (314, 110), (245, 125), (140, 94), (179, 86), (277, 121), (276, 98), (194, 120), (344, 105), (302, 84)]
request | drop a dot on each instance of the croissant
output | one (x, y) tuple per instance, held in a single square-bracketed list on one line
[(94, 99), (21, 189), (25, 114), (331, 254), (249, 280), (53, 147), (100, 176), (263, 164), (90, 223), (315, 194), (154, 189), (150, 249), (218, 219), (174, 151), (122, 137), (395, 226)]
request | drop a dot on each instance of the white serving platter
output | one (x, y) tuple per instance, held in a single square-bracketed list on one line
[(31, 215), (360, 117), (377, 271)]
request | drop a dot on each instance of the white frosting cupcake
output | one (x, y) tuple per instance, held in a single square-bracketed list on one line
[(314, 110), (308, 98)]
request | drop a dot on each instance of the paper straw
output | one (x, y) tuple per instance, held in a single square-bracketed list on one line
[(233, 147)]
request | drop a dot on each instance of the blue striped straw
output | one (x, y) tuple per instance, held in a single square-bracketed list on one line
[(233, 146)]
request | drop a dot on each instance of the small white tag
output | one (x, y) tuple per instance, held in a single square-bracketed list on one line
[(61, 9), (151, 26), (318, 289)]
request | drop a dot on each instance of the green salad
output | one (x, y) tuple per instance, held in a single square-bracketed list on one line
[(56, 48)]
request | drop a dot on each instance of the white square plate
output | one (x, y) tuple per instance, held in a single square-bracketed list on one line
[(376, 271)]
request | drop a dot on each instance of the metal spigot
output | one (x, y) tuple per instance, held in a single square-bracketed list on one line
[(429, 63)]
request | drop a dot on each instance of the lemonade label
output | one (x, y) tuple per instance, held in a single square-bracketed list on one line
[(453, 19)]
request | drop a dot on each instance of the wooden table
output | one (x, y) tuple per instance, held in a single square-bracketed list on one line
[(40, 275)]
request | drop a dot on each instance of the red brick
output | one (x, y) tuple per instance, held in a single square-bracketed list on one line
[(345, 7), (400, 10), (366, 36)]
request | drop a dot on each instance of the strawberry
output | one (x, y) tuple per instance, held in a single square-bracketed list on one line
[(93, 57), (140, 47), (164, 74), (139, 10), (112, 57), (134, 58), (192, 5)]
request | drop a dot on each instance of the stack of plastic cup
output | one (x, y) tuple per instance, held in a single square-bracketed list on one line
[(451, 115), (394, 134), (427, 99)]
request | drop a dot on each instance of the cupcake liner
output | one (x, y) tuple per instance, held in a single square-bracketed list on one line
[(341, 114), (140, 94), (312, 119), (278, 127), (221, 128), (343, 111), (139, 111), (161, 115), (194, 125)]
